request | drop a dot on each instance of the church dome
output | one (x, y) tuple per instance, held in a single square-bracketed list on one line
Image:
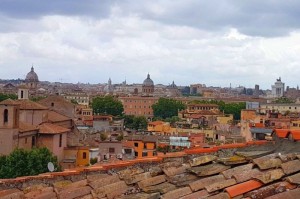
[(173, 85), (31, 76), (148, 81)]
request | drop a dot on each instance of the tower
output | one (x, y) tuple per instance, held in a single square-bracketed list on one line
[(23, 92), (9, 126)]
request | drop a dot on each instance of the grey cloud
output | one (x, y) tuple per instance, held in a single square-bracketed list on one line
[(251, 17), (37, 8)]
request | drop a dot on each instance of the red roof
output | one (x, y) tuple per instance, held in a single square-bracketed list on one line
[(195, 116), (155, 123), (48, 128)]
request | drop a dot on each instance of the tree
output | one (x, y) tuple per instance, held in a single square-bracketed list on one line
[(135, 122), (172, 120), (7, 96), (24, 163), (107, 105), (227, 108), (284, 100), (167, 108), (73, 101), (120, 137), (36, 99), (103, 136)]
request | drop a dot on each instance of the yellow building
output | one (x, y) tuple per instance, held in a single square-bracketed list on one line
[(76, 156), (159, 127), (226, 119), (295, 124)]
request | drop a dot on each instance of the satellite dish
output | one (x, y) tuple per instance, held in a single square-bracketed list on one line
[(50, 166)]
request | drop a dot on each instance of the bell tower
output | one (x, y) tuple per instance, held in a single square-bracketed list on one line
[(23, 92), (9, 126)]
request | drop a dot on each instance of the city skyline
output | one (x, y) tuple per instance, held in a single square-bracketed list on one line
[(213, 43)]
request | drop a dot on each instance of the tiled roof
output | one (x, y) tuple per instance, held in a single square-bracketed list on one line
[(30, 105), (9, 102), (170, 177), (156, 123), (56, 117), (25, 127), (195, 116), (48, 128)]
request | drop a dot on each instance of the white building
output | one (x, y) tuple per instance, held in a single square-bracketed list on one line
[(278, 88)]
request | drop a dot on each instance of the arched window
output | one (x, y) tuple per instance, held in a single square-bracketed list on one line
[(5, 116)]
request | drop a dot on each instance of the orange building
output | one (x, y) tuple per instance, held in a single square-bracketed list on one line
[(159, 126), (143, 146), (138, 106)]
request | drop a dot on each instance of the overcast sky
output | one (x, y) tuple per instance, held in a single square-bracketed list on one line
[(213, 42)]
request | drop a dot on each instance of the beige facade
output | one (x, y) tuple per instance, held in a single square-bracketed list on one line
[(26, 124), (280, 108), (9, 125)]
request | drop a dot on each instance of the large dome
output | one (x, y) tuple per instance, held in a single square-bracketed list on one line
[(31, 76), (148, 81)]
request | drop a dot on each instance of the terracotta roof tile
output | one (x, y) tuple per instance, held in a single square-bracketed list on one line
[(270, 190), (269, 176), (156, 123), (9, 102), (48, 128), (30, 105), (56, 117), (243, 188), (291, 167), (295, 179), (293, 194), (25, 127), (171, 179)]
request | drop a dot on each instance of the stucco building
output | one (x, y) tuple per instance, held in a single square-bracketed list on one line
[(27, 124), (138, 105)]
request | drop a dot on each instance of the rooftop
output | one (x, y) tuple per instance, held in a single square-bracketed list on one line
[(220, 172)]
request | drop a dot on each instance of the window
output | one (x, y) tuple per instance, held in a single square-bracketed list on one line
[(22, 94), (52, 104), (136, 144), (111, 150), (33, 141), (25, 140), (5, 116), (84, 155), (128, 151), (144, 154), (60, 140)]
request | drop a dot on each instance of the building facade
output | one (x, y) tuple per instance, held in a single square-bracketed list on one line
[(138, 105), (278, 88)]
